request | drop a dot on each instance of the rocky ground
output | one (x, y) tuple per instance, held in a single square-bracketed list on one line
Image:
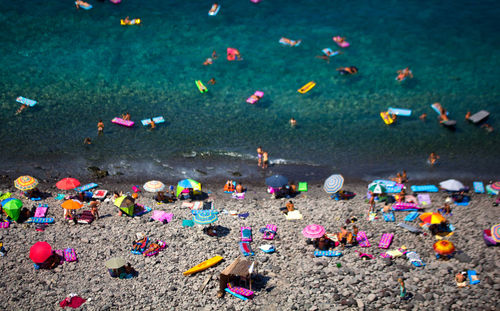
[(289, 279)]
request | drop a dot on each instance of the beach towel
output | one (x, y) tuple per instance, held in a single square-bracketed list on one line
[(270, 232), (60, 196), (472, 277), (245, 249), (85, 217), (411, 216), (410, 228), (424, 188), (465, 201), (41, 210), (293, 215), (4, 224), (40, 220), (237, 195), (235, 295), (372, 216), (267, 248), (70, 255), (385, 240), (362, 239), (240, 290), (99, 194), (415, 259), (327, 254), (141, 246), (187, 223), (424, 199), (86, 187), (491, 191), (142, 211), (389, 217), (302, 187), (72, 301), (478, 187), (193, 205), (405, 206), (365, 255), (246, 234), (243, 215), (162, 216)]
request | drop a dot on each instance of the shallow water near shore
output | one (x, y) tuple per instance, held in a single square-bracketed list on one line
[(82, 66)]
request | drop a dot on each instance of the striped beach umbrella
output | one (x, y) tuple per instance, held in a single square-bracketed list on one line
[(25, 183), (495, 232), (154, 186), (377, 188), (432, 218), (495, 185), (204, 217), (444, 247), (313, 231), (67, 183), (333, 183), (12, 207), (188, 184)]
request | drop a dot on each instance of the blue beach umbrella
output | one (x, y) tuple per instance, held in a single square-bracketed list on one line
[(276, 181), (204, 217), (333, 183)]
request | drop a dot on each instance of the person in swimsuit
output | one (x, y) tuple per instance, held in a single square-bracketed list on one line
[(290, 42), (347, 70), (87, 141), (208, 61), (402, 288), (265, 160), (100, 127), (23, 106), (324, 57), (259, 156), (153, 124), (293, 122), (211, 81), (423, 116), (433, 157), (214, 55), (404, 73), (126, 116), (94, 209)]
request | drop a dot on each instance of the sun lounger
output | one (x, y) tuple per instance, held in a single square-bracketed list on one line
[(327, 254), (245, 249), (246, 234), (86, 187), (362, 239), (385, 240), (270, 232), (389, 217), (410, 228), (411, 216), (478, 187), (415, 259), (405, 206), (424, 188)]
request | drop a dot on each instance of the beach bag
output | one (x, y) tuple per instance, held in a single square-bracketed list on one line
[(70, 255)]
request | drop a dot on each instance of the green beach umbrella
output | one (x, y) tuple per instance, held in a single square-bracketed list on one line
[(377, 188), (126, 203), (12, 208), (187, 184)]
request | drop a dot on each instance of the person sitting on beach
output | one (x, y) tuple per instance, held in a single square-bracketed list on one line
[(398, 178), (160, 197), (153, 247), (138, 244), (94, 208), (293, 188), (402, 196), (259, 156), (126, 116), (347, 70), (290, 207), (87, 141), (342, 236), (229, 186), (433, 157), (239, 188), (446, 209), (404, 73), (322, 243), (355, 231), (461, 280), (21, 108)]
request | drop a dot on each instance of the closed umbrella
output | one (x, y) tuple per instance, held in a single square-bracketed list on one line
[(444, 247), (333, 183), (12, 207), (495, 232), (377, 188), (313, 231), (188, 184), (432, 218), (67, 183), (204, 217), (115, 263), (276, 181), (495, 185), (154, 186), (126, 203), (451, 185), (25, 183), (40, 251), (72, 204)]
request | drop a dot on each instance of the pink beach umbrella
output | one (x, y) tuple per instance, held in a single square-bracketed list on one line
[(313, 231)]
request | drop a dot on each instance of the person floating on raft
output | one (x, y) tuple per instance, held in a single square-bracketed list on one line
[(289, 42), (352, 70), (233, 54), (403, 74)]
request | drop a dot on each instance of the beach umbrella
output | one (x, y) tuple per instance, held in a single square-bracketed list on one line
[(495, 232), (126, 203), (188, 184), (333, 183), (40, 251), (115, 263), (432, 218), (154, 186), (451, 185), (313, 231), (25, 183), (72, 204), (276, 181), (204, 217), (444, 247), (495, 185), (67, 183), (12, 207), (377, 188)]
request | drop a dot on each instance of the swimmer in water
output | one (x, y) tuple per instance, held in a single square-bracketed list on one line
[(211, 81), (433, 157), (423, 116), (208, 61), (23, 106), (293, 122), (404, 73), (352, 70)]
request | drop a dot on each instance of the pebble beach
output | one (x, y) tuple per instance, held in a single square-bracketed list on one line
[(289, 279)]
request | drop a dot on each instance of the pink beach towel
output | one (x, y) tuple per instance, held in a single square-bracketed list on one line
[(270, 232), (41, 211), (4, 224), (424, 199), (385, 240), (162, 216), (70, 255), (405, 206), (362, 239), (240, 290), (246, 234)]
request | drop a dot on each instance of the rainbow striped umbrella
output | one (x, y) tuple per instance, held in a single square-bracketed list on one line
[(313, 231), (25, 183), (496, 185), (333, 183), (495, 232), (204, 217), (154, 186)]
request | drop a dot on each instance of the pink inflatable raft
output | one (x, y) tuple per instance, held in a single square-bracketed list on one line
[(341, 42), (122, 122), (255, 97)]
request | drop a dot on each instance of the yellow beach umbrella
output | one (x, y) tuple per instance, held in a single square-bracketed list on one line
[(25, 183)]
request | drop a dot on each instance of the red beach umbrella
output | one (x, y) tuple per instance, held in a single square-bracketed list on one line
[(444, 247), (67, 183), (40, 251)]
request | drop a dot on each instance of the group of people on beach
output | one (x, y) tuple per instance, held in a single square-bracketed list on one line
[(263, 158)]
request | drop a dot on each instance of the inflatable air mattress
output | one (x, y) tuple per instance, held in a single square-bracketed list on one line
[(135, 21), (289, 42), (328, 52), (306, 88), (255, 97), (122, 122), (86, 187), (83, 5), (386, 117), (214, 9), (339, 41), (327, 254), (201, 87), (156, 120), (424, 188), (399, 111), (479, 116), (26, 101)]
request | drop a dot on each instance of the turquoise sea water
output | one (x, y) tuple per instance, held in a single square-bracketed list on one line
[(82, 66)]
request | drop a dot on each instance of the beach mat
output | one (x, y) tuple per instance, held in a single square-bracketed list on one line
[(424, 188), (411, 216), (362, 239), (424, 199), (478, 187), (245, 249), (410, 228), (327, 254), (389, 217), (385, 240), (405, 206), (40, 220), (86, 187)]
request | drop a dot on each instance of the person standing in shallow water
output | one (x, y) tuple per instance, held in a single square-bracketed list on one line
[(100, 127), (259, 156), (265, 160)]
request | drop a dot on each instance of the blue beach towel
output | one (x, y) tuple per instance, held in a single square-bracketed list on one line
[(389, 217), (424, 188), (478, 187), (327, 253), (411, 216), (86, 187)]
